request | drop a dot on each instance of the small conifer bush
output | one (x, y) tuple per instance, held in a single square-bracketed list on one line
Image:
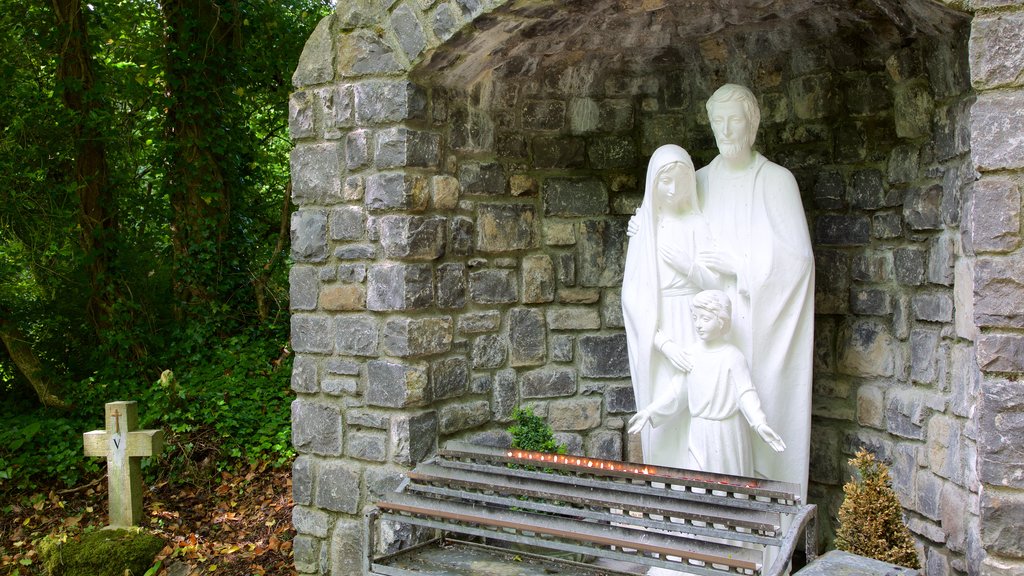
[(871, 518)]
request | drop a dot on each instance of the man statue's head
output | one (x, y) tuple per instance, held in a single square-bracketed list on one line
[(734, 117)]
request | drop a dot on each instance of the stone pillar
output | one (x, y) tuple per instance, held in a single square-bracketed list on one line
[(992, 220)]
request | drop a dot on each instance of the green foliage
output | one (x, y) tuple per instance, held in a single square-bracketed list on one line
[(228, 404), (531, 432), (871, 518)]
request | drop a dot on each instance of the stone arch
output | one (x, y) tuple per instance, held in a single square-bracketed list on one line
[(463, 171)]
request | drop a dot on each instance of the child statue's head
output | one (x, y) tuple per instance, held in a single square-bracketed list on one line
[(712, 314)]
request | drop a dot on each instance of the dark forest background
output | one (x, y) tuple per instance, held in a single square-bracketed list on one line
[(144, 229)]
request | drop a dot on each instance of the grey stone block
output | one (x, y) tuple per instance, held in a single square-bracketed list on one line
[(355, 335), (548, 383), (341, 367), (998, 292), (413, 437), (355, 252), (903, 165), (813, 96), (566, 269), (445, 20), (364, 52), (538, 279), (935, 307), (348, 546), (839, 563), (306, 553), (311, 334), (1000, 523), (619, 400), (316, 63), (460, 236), (867, 191), (997, 118), (316, 428), (544, 115), (347, 223), (1001, 352), (993, 217), (478, 322), (482, 179), (527, 337), (451, 285), (387, 191), (458, 417), (913, 108), (839, 230), (337, 487), (867, 349), (316, 172), (337, 107), (393, 385), (304, 374), (560, 152), (604, 356), (910, 265), (365, 445), (351, 273), (611, 152), (905, 415), (922, 208), (409, 31), (408, 337), (602, 252), (300, 115), (574, 197), (995, 51), (311, 521), (575, 414), (303, 472), (506, 227), (887, 225), (401, 146), (450, 378), (503, 395), (871, 406), (604, 444), (339, 386), (611, 309), (357, 149), (413, 237), (489, 351), (309, 236), (832, 281), (303, 287), (573, 318), (387, 101), (830, 190), (491, 286), (392, 286), (870, 301)]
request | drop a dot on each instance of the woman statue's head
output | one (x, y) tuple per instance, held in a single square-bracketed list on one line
[(671, 181)]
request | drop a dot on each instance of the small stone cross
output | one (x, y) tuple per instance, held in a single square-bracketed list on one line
[(123, 446)]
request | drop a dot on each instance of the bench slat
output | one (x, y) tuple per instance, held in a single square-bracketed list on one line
[(601, 534), (617, 496)]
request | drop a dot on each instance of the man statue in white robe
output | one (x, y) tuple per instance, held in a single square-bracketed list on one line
[(764, 251)]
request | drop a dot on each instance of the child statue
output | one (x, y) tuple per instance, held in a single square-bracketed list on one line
[(716, 393)]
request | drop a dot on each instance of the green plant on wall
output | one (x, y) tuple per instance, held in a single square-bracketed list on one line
[(531, 432), (871, 518)]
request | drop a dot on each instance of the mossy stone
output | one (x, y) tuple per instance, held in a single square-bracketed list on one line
[(101, 553)]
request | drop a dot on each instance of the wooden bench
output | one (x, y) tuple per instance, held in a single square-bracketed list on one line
[(531, 509)]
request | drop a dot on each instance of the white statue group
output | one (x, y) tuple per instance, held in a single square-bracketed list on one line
[(718, 299)]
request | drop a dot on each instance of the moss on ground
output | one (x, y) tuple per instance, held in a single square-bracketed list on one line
[(101, 553)]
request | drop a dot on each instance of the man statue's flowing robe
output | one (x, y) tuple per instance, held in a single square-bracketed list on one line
[(757, 217)]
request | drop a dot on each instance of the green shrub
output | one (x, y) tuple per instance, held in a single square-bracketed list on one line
[(531, 432)]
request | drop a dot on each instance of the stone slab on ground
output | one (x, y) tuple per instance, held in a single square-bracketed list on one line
[(839, 563)]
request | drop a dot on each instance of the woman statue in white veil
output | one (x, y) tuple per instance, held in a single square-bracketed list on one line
[(663, 273)]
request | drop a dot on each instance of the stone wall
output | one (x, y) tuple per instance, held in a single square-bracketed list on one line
[(460, 240)]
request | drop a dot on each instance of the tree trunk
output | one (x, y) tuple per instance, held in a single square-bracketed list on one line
[(30, 366), (96, 216), (198, 45)]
